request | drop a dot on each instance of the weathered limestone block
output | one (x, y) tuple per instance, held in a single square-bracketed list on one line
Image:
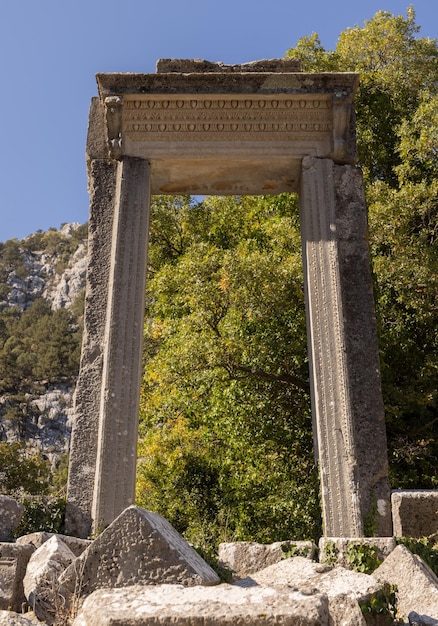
[(220, 605), (13, 562), (76, 545), (415, 513), (345, 611), (10, 618), (11, 513), (416, 583), (305, 574), (340, 550), (245, 557), (36, 539), (41, 580), (139, 547)]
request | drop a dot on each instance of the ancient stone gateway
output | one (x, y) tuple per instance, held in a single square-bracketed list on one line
[(203, 128)]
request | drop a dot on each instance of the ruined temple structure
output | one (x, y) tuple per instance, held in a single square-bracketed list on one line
[(196, 127)]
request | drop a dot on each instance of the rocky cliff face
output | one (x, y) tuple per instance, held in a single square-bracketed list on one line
[(57, 275), (43, 277)]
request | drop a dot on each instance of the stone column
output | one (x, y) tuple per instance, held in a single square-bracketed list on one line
[(114, 484), (102, 176), (347, 403), (104, 439)]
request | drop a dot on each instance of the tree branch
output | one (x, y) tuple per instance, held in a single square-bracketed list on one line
[(252, 372)]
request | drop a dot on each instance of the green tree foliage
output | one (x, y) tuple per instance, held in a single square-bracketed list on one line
[(419, 143), (39, 345), (21, 472), (10, 260), (226, 438), (403, 227), (396, 68), (27, 476)]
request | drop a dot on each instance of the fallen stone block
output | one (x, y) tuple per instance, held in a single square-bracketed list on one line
[(198, 606), (11, 513), (139, 547), (348, 551), (41, 586), (338, 583), (305, 574), (417, 585), (36, 539), (10, 618), (415, 513), (13, 563), (245, 557), (76, 545)]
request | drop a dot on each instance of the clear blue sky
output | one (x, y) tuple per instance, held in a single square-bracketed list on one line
[(50, 51)]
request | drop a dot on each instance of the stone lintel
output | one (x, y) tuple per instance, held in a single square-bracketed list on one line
[(226, 131)]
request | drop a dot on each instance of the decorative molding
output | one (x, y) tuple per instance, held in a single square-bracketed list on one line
[(244, 118)]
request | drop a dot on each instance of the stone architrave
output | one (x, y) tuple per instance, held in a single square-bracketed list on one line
[(203, 128)]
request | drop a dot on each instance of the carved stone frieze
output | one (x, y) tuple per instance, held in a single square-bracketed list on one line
[(230, 119)]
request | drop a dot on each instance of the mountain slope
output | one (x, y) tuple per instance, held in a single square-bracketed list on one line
[(42, 280)]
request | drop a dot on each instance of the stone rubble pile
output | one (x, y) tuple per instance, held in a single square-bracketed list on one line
[(139, 571)]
